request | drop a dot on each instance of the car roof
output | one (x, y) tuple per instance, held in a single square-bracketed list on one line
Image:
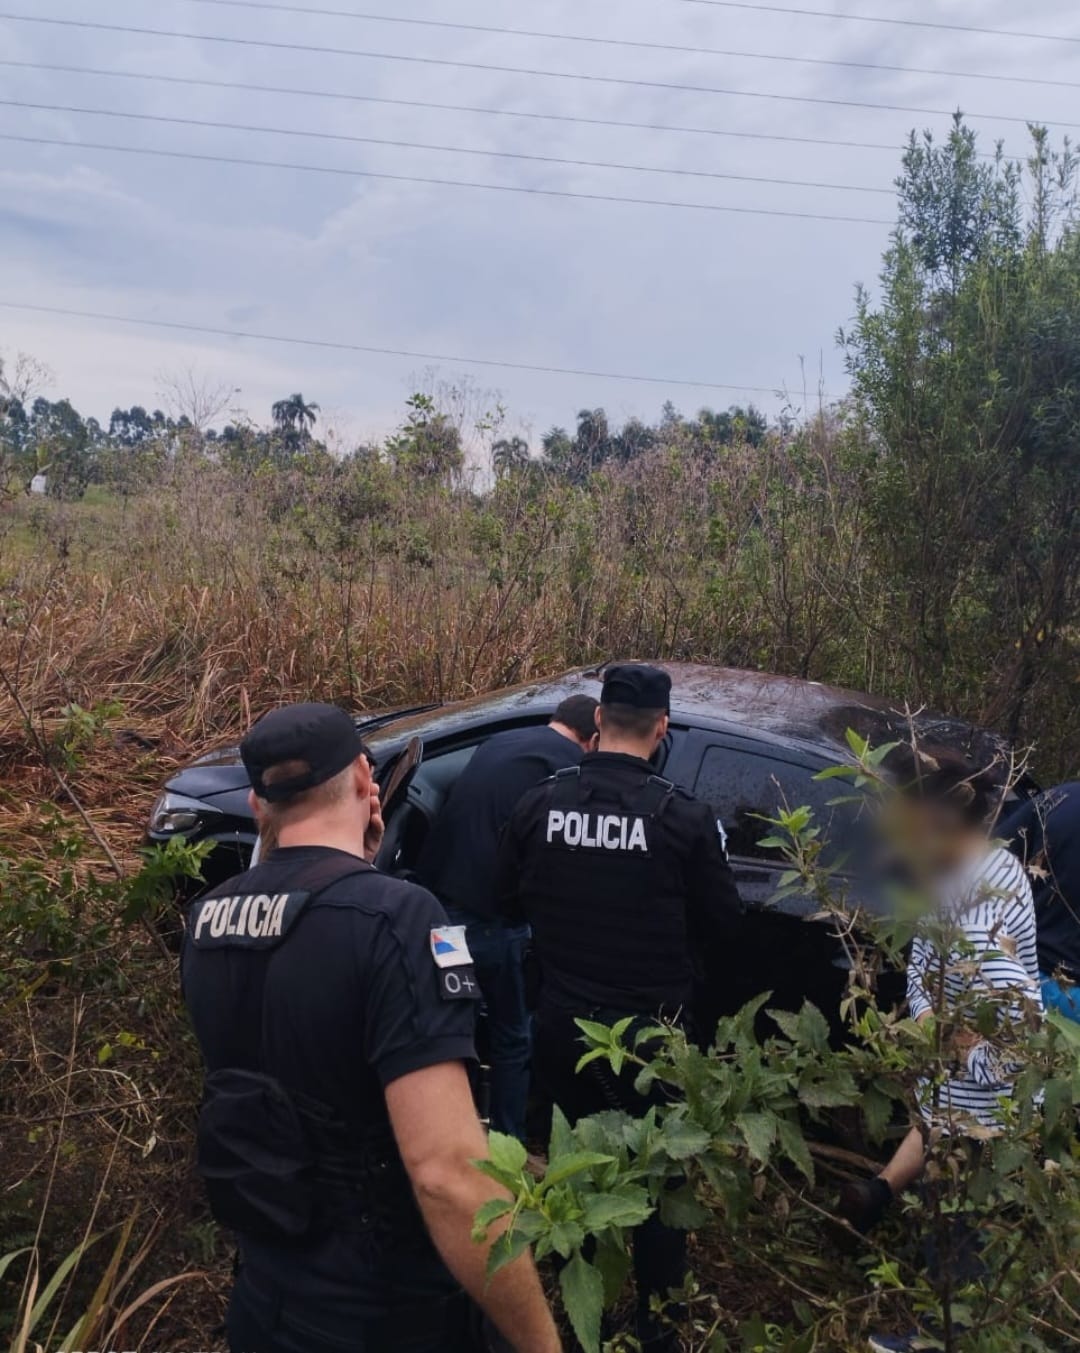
[(760, 705)]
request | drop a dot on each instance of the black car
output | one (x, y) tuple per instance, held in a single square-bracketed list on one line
[(746, 742)]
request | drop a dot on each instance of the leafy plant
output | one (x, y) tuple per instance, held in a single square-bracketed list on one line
[(736, 1149)]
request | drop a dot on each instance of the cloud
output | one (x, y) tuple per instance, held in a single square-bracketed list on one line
[(528, 278)]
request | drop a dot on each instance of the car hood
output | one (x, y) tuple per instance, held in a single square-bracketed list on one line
[(217, 772)]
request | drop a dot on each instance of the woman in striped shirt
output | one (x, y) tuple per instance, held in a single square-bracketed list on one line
[(977, 947)]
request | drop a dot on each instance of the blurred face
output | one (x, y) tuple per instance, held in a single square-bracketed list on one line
[(927, 838)]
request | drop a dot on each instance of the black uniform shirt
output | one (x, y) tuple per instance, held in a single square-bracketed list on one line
[(458, 859), (623, 879), (1045, 833), (353, 1000)]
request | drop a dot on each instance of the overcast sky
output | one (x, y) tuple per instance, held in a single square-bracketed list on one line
[(732, 299)]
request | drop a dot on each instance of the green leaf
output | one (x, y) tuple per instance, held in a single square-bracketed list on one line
[(858, 744), (505, 1250), (680, 1209), (759, 1133), (565, 1237), (575, 1163), (562, 1136), (878, 755), (788, 1022), (877, 1111), (593, 1055), (506, 1153), (597, 1034), (793, 1144), (56, 1281), (8, 1259), (813, 1028), (582, 1290), (627, 1206), (508, 1180), (828, 1094), (490, 1211), (612, 1258), (681, 1139)]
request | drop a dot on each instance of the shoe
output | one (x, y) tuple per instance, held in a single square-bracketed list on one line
[(863, 1202)]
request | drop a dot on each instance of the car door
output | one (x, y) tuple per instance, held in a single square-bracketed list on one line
[(746, 783)]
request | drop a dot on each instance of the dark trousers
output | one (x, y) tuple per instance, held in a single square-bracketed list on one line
[(499, 957), (265, 1318), (659, 1250)]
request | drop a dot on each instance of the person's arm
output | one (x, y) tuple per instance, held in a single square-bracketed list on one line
[(439, 1136), (919, 1004), (508, 868)]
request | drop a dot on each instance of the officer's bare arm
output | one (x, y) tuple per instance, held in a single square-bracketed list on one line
[(439, 1135)]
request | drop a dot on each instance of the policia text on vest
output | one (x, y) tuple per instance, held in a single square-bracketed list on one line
[(255, 916), (608, 831)]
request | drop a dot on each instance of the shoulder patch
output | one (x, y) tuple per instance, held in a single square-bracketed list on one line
[(449, 948), (245, 920)]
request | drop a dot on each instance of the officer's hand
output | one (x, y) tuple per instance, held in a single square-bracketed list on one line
[(376, 828)]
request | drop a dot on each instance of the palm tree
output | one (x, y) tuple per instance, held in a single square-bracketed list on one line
[(293, 415), (509, 454), (593, 440)]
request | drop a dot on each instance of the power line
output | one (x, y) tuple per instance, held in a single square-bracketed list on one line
[(453, 150), (246, 87), (321, 50), (382, 352), (270, 6), (436, 182), (875, 18)]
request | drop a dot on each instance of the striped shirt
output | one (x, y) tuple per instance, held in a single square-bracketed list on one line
[(989, 900)]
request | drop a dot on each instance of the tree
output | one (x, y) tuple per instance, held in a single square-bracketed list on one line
[(65, 447), (725, 427), (197, 398), (294, 418), (509, 454), (427, 446), (592, 444), (966, 380), (632, 440), (20, 379)]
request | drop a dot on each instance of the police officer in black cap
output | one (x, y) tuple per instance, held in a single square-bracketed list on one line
[(623, 878), (334, 1008)]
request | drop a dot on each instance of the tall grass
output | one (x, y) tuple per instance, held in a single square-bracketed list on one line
[(222, 592)]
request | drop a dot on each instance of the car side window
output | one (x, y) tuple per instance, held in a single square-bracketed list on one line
[(743, 787)]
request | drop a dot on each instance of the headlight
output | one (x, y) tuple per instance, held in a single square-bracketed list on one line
[(175, 814)]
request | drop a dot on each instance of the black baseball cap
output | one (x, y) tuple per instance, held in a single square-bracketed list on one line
[(322, 737), (637, 685)]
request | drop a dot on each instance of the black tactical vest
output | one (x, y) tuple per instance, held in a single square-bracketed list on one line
[(280, 1166), (603, 885)]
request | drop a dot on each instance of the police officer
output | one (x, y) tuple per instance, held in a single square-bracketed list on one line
[(1045, 832), (623, 878), (334, 1009), (458, 864)]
